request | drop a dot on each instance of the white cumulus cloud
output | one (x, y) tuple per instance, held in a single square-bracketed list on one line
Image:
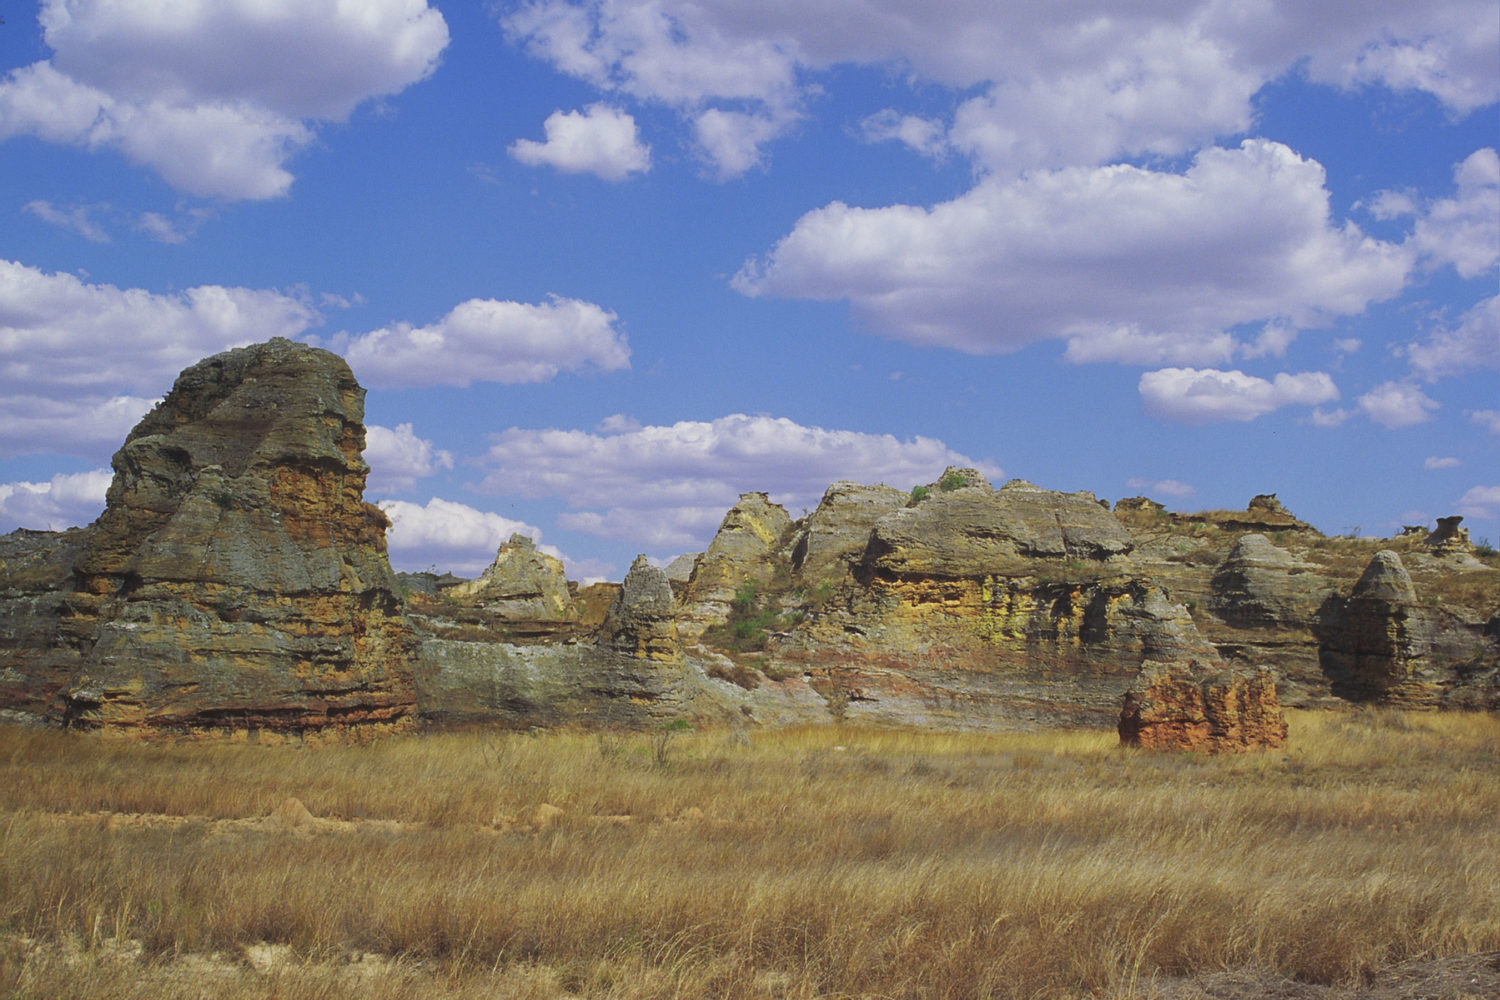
[(1162, 487), (214, 95), (668, 486), (1194, 395), (599, 140), (1397, 404), (1472, 344), (398, 458), (1488, 419), (64, 501), (1480, 502), (81, 362), (1440, 462), (449, 536), (1059, 84), (1122, 262), (733, 141), (925, 136), (485, 340), (84, 424), (57, 330), (1463, 230)]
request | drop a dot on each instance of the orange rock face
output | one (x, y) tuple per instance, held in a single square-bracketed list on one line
[(237, 578), (1173, 707)]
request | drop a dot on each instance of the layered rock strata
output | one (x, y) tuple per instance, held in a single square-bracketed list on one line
[(746, 549), (1383, 644), (972, 606), (522, 583), (1262, 608), (642, 620), (1179, 707), (236, 577), (36, 579), (835, 535)]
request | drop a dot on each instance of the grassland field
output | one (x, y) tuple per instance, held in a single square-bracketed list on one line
[(828, 862)]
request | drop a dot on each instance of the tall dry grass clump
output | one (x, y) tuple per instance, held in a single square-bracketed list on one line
[(802, 863)]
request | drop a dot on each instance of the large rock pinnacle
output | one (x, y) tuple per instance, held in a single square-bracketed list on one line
[(237, 577)]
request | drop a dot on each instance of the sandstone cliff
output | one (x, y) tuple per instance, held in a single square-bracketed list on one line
[(237, 578), (36, 579), (1382, 644)]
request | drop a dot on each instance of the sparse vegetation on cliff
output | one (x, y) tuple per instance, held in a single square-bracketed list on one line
[(798, 863)]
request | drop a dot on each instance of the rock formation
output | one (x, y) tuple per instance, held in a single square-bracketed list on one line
[(642, 621), (1187, 707), (1259, 585), (36, 579), (1382, 644), (746, 549), (1261, 608), (522, 584), (1448, 538), (973, 531), (835, 535), (236, 577)]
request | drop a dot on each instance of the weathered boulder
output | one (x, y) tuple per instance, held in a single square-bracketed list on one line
[(1262, 606), (237, 577), (1190, 707), (974, 531), (522, 584), (1261, 586), (745, 549), (641, 622), (835, 535), (1385, 579), (1381, 644)]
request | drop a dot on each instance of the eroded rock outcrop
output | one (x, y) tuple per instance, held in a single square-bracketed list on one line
[(236, 577), (36, 579), (1383, 644), (973, 531), (835, 535), (1262, 607), (1179, 707), (1259, 585), (522, 584), (746, 548), (642, 621), (1449, 538), (1013, 607)]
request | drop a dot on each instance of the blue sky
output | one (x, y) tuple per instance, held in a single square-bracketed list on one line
[(605, 265)]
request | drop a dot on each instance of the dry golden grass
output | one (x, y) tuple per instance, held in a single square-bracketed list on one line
[(801, 863)]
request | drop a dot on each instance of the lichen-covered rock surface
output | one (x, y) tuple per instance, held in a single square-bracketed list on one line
[(36, 579), (1382, 643), (237, 578), (746, 549), (522, 582)]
